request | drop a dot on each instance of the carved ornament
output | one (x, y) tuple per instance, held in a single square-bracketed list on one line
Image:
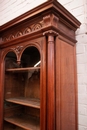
[(50, 32), (25, 31), (18, 49), (51, 19)]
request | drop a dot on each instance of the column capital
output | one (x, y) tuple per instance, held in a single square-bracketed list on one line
[(50, 32)]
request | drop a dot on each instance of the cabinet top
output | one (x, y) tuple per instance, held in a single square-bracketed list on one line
[(43, 9), (50, 15)]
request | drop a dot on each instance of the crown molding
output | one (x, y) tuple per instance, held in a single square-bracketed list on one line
[(49, 5)]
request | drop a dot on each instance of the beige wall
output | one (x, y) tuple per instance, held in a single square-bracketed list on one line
[(77, 8), (9, 9)]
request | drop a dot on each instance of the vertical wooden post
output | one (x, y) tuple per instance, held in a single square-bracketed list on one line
[(1, 91), (50, 84), (50, 80)]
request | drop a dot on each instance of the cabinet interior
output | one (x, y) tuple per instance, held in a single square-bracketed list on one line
[(22, 90)]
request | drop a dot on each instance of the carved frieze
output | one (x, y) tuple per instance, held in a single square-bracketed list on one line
[(36, 27), (46, 22), (22, 32), (18, 34), (27, 30)]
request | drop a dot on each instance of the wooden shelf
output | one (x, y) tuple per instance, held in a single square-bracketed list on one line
[(12, 128), (24, 121), (22, 69), (25, 101)]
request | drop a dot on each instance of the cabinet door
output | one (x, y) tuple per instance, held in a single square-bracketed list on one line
[(22, 90)]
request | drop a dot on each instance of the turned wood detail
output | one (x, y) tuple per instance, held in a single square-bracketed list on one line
[(51, 84), (51, 78)]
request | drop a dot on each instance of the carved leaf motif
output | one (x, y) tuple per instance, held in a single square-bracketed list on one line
[(37, 26), (18, 49), (27, 30), (18, 34)]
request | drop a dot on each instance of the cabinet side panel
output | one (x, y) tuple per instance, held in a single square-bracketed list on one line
[(1, 91), (65, 88), (57, 90)]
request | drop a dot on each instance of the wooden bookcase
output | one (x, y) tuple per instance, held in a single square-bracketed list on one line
[(38, 82)]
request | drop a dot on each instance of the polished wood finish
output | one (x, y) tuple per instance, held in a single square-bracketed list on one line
[(22, 69), (42, 97), (50, 83), (25, 101), (29, 123)]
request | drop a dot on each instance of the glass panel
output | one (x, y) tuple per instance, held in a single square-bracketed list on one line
[(22, 91), (30, 57)]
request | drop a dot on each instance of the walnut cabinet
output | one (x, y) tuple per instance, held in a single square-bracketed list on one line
[(38, 83)]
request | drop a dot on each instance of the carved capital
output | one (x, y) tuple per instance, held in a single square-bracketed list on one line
[(50, 32), (50, 35)]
